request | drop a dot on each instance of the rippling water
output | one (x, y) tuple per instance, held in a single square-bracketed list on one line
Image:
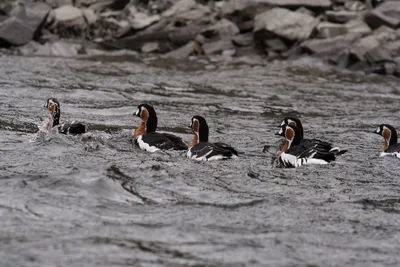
[(97, 200)]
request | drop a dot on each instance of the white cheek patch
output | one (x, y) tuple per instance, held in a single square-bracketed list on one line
[(283, 123), (137, 112), (378, 130), (280, 131)]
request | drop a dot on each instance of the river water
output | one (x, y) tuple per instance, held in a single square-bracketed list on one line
[(97, 200)]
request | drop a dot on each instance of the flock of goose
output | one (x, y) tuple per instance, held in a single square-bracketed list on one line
[(295, 151)]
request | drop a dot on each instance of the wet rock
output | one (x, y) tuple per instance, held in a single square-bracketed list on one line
[(26, 22), (393, 47), (222, 29), (198, 14), (245, 26), (376, 18), (66, 16), (378, 55), (61, 49), (218, 47), (182, 52), (340, 58), (140, 20), (341, 16), (89, 16), (385, 34), (179, 7), (304, 10), (358, 26), (8, 29), (243, 40), (100, 5), (58, 3), (150, 47), (285, 23), (329, 30), (354, 6), (251, 8), (390, 8), (331, 44), (276, 45)]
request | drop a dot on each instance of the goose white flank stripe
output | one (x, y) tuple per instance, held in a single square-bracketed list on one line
[(146, 137), (201, 150), (390, 146), (146, 146), (295, 154), (311, 143)]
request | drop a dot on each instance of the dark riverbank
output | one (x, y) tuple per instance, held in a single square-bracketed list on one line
[(355, 35)]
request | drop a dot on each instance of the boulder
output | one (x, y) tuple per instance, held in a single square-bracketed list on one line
[(253, 7), (179, 7), (141, 20), (358, 26), (378, 55), (390, 8), (150, 47), (330, 44), (61, 49), (66, 16), (385, 34), (218, 47), (393, 47), (222, 29), (89, 16), (376, 18), (243, 40), (354, 6), (58, 3), (329, 30), (341, 16), (285, 23), (24, 25), (15, 31), (276, 45), (182, 52)]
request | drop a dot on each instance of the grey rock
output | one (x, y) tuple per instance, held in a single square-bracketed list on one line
[(180, 7), (385, 34), (199, 13), (15, 31), (329, 30), (253, 7), (243, 40), (218, 47), (66, 16), (182, 52), (61, 49), (331, 44), (89, 16), (285, 23), (390, 8), (378, 55), (342, 16), (340, 58), (354, 6), (150, 47), (376, 18), (58, 3), (276, 45), (393, 47), (142, 20), (305, 11), (222, 29), (358, 26), (25, 25)]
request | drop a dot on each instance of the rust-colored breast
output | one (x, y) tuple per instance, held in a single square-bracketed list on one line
[(386, 135)]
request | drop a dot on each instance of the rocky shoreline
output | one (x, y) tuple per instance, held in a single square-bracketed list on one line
[(350, 34)]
